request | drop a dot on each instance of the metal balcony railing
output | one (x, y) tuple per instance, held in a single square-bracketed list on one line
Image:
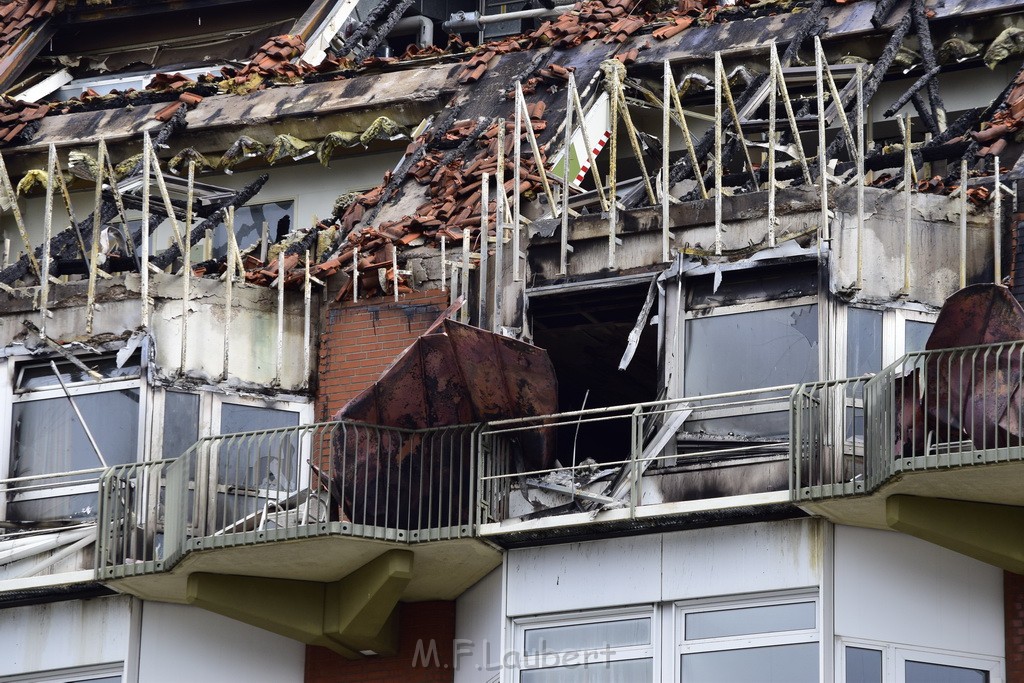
[(929, 410), (597, 477), (338, 478)]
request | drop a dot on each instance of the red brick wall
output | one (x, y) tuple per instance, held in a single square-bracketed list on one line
[(360, 340), (1013, 600), (418, 622)]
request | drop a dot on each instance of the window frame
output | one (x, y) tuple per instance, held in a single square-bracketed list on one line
[(895, 656), (682, 646), (9, 379), (523, 662)]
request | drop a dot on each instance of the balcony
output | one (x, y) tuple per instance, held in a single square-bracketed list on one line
[(674, 463), (931, 446), (299, 514)]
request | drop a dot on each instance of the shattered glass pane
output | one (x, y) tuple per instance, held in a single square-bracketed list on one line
[(181, 423), (863, 341), (264, 460), (751, 285), (249, 225), (47, 437), (40, 375), (917, 334), (750, 350)]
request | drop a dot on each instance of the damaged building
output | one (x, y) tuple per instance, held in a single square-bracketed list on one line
[(618, 340)]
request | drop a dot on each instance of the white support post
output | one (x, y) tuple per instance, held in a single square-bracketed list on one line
[(485, 202), (563, 257), (52, 170), (279, 361), (861, 133), (666, 139), (94, 247), (394, 270), (688, 139), (824, 234), (517, 151), (500, 210), (355, 275), (444, 262), (229, 279), (186, 268), (718, 155), (773, 92), (997, 220), (908, 189), (776, 66), (8, 189), (613, 170), (464, 290), (147, 145), (963, 223), (307, 324)]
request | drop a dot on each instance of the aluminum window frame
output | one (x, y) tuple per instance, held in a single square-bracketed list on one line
[(78, 674), (896, 655), (683, 646), (8, 383), (523, 662)]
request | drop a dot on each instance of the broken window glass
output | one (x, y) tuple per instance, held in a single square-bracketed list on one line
[(47, 438), (39, 375), (916, 335), (750, 350), (266, 461), (751, 285), (249, 225), (181, 423), (863, 341)]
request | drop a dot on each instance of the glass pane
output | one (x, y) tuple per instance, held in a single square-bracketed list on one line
[(737, 622), (48, 437), (104, 679), (259, 461), (249, 225), (777, 664), (628, 671), (917, 334), (79, 507), (863, 665), (751, 350), (863, 341), (238, 418), (761, 284), (605, 634), (181, 423), (40, 375), (923, 672)]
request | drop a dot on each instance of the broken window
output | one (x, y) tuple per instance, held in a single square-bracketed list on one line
[(249, 222), (48, 437)]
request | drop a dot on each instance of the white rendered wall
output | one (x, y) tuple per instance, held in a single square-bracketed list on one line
[(897, 589), (679, 565), (478, 630), (62, 635), (182, 643)]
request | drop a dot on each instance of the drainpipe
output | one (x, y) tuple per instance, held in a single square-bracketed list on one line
[(420, 25), (466, 22)]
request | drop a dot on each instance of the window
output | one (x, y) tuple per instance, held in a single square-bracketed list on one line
[(249, 222), (70, 432), (102, 673), (916, 335), (608, 648), (866, 662), (863, 341), (768, 642)]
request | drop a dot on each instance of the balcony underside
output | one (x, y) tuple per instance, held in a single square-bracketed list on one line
[(994, 483), (442, 569)]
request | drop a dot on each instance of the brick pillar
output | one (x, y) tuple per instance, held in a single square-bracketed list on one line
[(426, 632), (1013, 601), (360, 340)]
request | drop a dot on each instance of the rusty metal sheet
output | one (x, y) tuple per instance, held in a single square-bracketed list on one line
[(977, 393), (452, 375)]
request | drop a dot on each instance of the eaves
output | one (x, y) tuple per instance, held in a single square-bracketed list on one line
[(308, 111)]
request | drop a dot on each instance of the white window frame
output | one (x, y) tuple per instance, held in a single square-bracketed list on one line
[(683, 646), (8, 385), (522, 662), (895, 657), (78, 673)]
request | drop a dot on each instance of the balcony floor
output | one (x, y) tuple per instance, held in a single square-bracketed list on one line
[(996, 483), (442, 570)]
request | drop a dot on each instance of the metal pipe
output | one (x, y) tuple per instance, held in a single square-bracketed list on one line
[(666, 139), (44, 282), (279, 364), (59, 555), (465, 22), (420, 25), (78, 413), (718, 154), (613, 172), (500, 208), (307, 321), (825, 233), (90, 307)]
